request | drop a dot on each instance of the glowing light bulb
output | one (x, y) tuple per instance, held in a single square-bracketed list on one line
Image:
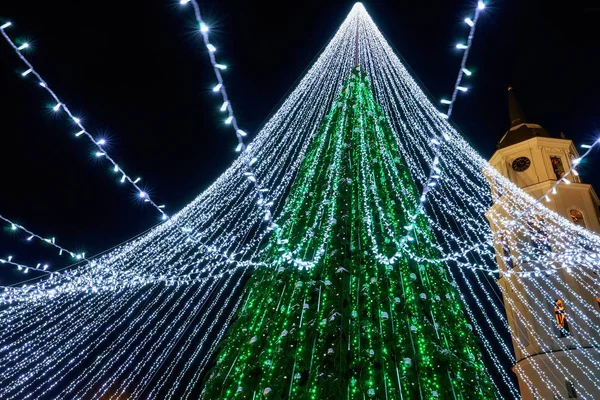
[(224, 106), (116, 168), (554, 190), (461, 46), (101, 142), (217, 87), (568, 182), (56, 107), (221, 66), (43, 84), (6, 25), (462, 88), (444, 101), (123, 179), (241, 133), (239, 147), (203, 27), (229, 119), (23, 46), (13, 227), (25, 73), (76, 120), (469, 21), (79, 133), (480, 5), (143, 194), (445, 116), (100, 154), (586, 146), (211, 48), (467, 72), (164, 217), (137, 180), (184, 2)]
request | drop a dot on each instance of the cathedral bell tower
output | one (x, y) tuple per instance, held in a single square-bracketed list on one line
[(539, 318)]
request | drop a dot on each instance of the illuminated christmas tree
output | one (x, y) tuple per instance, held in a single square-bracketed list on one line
[(360, 318)]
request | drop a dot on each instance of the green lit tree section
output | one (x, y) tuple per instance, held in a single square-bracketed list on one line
[(333, 318)]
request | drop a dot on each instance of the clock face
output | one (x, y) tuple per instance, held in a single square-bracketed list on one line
[(521, 164)]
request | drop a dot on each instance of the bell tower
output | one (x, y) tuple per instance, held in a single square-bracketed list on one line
[(545, 334)]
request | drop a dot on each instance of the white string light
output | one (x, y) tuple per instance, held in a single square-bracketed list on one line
[(97, 143)]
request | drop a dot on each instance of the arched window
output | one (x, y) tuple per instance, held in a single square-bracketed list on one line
[(577, 217), (560, 315), (557, 166)]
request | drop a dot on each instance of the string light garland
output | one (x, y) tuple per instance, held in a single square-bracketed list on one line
[(231, 119), (97, 143)]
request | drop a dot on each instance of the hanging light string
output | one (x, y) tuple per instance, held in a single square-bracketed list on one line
[(40, 267), (51, 241), (98, 143), (231, 119), (101, 152), (436, 143)]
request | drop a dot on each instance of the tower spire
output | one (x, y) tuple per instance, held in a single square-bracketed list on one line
[(515, 112)]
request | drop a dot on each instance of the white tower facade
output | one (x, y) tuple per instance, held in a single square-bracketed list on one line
[(541, 334)]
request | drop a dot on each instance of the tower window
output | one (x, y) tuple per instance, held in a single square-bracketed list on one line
[(557, 166), (561, 319), (577, 217), (571, 392)]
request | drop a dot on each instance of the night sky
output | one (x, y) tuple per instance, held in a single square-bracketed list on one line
[(137, 74)]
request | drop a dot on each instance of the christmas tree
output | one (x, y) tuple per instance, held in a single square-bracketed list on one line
[(340, 312)]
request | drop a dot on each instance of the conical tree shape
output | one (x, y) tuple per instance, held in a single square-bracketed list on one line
[(342, 312)]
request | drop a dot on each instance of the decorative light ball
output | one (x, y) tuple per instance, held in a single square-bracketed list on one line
[(327, 282), (413, 276), (280, 269), (354, 314), (284, 333), (470, 327), (330, 350), (254, 339), (408, 361), (413, 328), (437, 298), (423, 296), (266, 391), (298, 375), (397, 300), (384, 315), (373, 280), (372, 352), (239, 389), (305, 306), (434, 394), (371, 392), (299, 284), (448, 296)]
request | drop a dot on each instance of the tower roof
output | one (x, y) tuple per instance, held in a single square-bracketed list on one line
[(520, 129)]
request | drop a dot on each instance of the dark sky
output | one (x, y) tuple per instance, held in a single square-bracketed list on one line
[(138, 73)]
